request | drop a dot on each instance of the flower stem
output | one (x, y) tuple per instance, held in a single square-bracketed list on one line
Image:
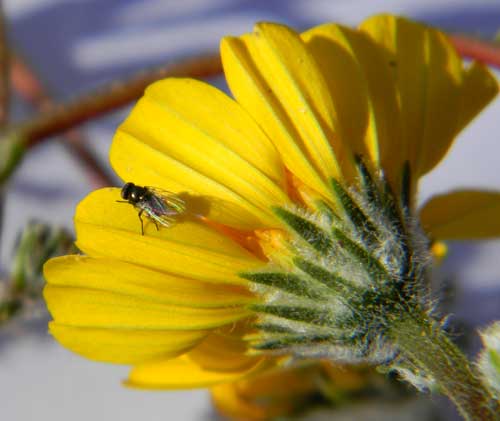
[(424, 344)]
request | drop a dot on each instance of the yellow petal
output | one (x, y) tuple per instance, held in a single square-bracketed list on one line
[(274, 77), (146, 284), (125, 346), (191, 137), (274, 394), (228, 401), (223, 352), (428, 74), (96, 308), (479, 88), (362, 88), (189, 249), (462, 215), (183, 373)]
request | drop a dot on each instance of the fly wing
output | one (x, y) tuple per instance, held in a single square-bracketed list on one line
[(157, 210), (166, 202)]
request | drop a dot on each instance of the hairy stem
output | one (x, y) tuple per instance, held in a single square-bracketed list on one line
[(422, 342)]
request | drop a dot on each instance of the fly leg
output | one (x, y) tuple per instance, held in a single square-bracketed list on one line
[(142, 222), (156, 225)]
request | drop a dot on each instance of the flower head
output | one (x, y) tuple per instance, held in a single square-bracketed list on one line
[(300, 231)]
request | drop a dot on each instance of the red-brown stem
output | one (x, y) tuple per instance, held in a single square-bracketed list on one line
[(4, 72), (484, 51), (59, 118), (26, 83), (98, 174)]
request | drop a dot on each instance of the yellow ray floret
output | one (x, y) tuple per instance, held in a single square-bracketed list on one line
[(94, 308), (125, 346), (102, 274), (361, 85), (462, 215), (274, 77), (188, 248), (223, 351), (201, 141), (437, 95), (184, 373)]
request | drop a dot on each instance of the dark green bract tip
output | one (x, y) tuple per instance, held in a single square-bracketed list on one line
[(287, 282), (348, 272), (308, 230)]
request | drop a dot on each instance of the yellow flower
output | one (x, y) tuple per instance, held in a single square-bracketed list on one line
[(380, 104), (290, 390)]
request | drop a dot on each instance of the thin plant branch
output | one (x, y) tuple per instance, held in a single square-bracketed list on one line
[(59, 118), (63, 117), (477, 49), (26, 83), (4, 71), (4, 97)]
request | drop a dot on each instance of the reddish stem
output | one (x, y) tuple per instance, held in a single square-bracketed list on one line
[(4, 72), (483, 51), (63, 117), (26, 83)]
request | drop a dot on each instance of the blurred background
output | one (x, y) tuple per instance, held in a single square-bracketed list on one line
[(77, 45)]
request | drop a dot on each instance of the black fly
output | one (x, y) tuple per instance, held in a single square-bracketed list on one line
[(161, 206)]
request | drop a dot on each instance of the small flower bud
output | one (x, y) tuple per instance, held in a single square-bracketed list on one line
[(35, 245)]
